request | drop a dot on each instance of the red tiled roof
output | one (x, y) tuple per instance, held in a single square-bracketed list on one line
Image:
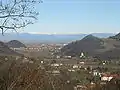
[(111, 75)]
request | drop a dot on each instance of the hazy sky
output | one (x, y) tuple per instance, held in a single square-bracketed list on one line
[(77, 16)]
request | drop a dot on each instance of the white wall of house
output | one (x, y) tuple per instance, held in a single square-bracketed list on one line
[(75, 66), (105, 78), (55, 65)]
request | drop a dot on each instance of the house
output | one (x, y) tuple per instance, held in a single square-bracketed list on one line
[(96, 73), (69, 57), (82, 63), (61, 64), (55, 72), (17, 57), (82, 55), (55, 65), (71, 70), (25, 60), (103, 63), (108, 77), (31, 62), (75, 88), (57, 57), (42, 62), (6, 59), (75, 66), (80, 87)]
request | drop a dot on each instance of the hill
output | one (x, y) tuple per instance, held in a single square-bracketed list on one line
[(92, 46), (117, 37), (15, 44), (5, 50), (88, 44)]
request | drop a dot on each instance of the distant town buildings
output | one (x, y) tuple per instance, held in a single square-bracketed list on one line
[(42, 62), (75, 66), (69, 57)]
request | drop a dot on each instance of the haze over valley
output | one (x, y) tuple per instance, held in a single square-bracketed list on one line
[(49, 38)]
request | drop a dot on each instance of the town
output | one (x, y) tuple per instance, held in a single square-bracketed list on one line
[(82, 73), (59, 45)]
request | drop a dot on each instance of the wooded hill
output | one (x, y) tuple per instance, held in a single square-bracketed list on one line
[(102, 48)]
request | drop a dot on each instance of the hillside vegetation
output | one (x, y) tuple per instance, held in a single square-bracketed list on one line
[(104, 48), (15, 44), (5, 50), (117, 37)]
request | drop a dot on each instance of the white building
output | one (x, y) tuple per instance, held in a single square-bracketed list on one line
[(57, 57), (55, 65), (82, 63), (42, 62), (96, 73), (71, 70), (75, 66), (82, 55), (68, 57), (106, 78), (31, 62), (55, 72)]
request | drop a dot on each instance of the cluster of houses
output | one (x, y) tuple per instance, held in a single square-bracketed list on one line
[(70, 57), (104, 77), (40, 47), (109, 77), (74, 68)]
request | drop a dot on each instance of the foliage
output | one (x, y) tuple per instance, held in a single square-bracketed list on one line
[(15, 14), (16, 75)]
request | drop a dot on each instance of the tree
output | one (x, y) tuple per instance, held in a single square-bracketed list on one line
[(16, 14), (53, 61)]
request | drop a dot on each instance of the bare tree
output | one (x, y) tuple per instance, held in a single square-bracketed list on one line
[(16, 14)]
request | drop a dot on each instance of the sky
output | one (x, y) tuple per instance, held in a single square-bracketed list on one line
[(77, 16)]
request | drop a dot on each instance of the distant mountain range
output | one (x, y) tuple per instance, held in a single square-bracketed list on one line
[(48, 38)]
